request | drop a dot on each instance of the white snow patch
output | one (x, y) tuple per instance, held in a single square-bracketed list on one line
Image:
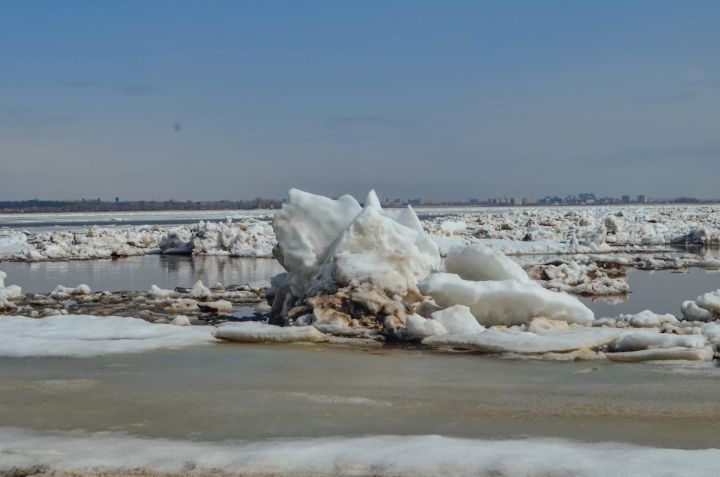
[(78, 452)]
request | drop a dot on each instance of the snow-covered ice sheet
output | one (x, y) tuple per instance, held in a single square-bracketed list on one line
[(81, 336), (78, 453)]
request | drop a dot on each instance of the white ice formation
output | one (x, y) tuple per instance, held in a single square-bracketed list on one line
[(247, 237), (8, 293), (706, 307), (361, 271), (84, 336), (565, 230)]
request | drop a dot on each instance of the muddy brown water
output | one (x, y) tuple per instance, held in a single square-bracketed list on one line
[(234, 391)]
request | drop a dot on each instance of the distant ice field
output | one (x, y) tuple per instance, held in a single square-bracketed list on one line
[(190, 216), (81, 219)]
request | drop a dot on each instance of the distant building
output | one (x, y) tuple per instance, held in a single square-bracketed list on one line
[(642, 199), (587, 198), (626, 199)]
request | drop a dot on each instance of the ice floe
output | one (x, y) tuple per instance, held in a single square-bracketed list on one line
[(582, 277), (705, 307), (84, 336), (262, 333), (525, 342)]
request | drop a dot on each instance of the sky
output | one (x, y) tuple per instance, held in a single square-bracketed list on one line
[(441, 100)]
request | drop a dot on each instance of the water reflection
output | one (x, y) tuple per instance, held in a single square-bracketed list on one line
[(139, 273), (661, 291), (704, 251)]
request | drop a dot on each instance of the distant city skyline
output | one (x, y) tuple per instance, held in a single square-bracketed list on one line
[(441, 100), (118, 205)]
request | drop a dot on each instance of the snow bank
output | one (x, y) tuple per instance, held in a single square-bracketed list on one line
[(506, 302), (82, 336), (77, 452)]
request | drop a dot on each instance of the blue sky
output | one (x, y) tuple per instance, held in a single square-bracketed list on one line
[(440, 100)]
